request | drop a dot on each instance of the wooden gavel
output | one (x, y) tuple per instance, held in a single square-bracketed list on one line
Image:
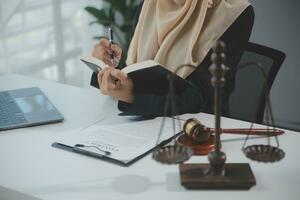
[(199, 133)]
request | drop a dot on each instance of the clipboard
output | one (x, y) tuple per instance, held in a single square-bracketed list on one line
[(124, 163)]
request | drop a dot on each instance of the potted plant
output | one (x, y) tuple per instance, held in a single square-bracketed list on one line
[(119, 15)]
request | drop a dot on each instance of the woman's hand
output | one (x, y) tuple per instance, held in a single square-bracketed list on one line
[(103, 51), (115, 83)]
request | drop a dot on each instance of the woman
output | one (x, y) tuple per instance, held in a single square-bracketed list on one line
[(175, 32)]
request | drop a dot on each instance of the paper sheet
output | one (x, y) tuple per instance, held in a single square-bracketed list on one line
[(124, 141)]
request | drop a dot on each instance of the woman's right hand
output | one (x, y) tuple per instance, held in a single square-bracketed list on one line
[(103, 51)]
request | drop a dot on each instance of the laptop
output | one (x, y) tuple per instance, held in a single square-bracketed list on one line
[(26, 107), (8, 194)]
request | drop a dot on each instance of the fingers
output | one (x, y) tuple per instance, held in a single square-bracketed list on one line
[(99, 77), (104, 51), (104, 42), (116, 50), (110, 49), (118, 74), (104, 87), (122, 90), (107, 85)]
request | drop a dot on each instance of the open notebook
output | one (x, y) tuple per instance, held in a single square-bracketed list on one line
[(149, 76), (119, 143)]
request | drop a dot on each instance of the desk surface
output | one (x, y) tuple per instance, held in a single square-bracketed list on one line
[(30, 165)]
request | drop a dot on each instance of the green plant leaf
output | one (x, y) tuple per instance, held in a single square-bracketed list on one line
[(130, 13), (117, 5), (132, 3), (123, 28), (98, 13), (105, 23), (106, 17)]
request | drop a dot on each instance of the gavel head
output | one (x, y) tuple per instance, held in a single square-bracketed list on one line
[(197, 131)]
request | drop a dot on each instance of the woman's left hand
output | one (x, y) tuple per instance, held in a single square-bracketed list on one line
[(115, 83)]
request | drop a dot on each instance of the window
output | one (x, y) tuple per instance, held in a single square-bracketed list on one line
[(45, 39)]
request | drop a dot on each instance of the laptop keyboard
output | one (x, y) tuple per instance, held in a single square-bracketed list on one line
[(10, 113)]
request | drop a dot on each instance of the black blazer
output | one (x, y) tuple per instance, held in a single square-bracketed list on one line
[(197, 98)]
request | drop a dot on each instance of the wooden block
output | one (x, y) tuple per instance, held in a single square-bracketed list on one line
[(237, 176)]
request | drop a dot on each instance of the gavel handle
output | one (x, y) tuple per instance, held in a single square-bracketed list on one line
[(258, 131)]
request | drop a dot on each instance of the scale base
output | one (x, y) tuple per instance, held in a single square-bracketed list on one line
[(238, 176)]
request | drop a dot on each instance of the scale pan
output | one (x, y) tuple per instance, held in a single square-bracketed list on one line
[(172, 154), (264, 153)]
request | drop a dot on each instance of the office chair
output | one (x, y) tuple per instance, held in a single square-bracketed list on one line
[(248, 100)]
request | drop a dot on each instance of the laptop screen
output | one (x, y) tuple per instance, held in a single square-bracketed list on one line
[(36, 103)]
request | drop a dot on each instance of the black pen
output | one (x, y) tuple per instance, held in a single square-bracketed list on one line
[(111, 42), (112, 55), (78, 147)]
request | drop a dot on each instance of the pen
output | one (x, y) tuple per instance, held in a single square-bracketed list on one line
[(78, 146), (112, 56), (111, 42)]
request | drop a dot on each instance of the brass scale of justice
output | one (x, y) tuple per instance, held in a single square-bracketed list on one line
[(199, 140)]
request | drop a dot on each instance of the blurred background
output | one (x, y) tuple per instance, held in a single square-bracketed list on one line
[(46, 38)]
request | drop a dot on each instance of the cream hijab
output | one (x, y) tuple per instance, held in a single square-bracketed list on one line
[(175, 32)]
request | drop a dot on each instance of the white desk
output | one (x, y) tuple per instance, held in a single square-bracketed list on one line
[(30, 165)]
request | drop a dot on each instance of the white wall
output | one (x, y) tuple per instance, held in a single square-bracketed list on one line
[(277, 25)]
